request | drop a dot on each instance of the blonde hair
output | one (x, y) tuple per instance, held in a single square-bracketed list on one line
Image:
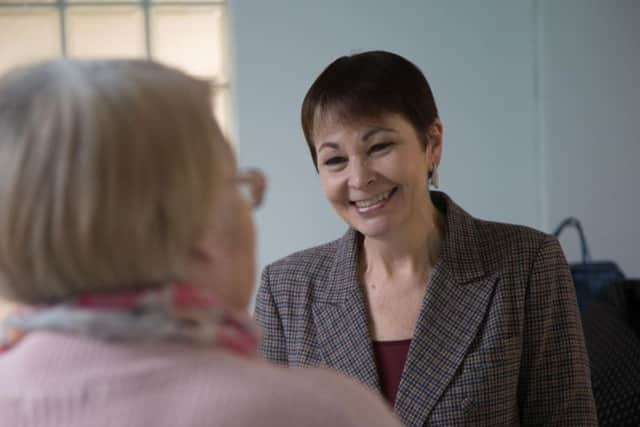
[(108, 172)]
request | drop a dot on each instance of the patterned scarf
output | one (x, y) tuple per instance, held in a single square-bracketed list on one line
[(178, 312)]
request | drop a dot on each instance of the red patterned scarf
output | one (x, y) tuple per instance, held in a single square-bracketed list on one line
[(178, 312)]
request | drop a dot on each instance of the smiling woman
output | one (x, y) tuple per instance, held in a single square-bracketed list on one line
[(455, 320)]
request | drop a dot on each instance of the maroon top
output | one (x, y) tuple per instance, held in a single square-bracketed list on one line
[(390, 358)]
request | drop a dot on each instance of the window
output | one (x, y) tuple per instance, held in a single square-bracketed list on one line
[(186, 34)]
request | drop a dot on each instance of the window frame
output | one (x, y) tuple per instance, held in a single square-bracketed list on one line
[(219, 85)]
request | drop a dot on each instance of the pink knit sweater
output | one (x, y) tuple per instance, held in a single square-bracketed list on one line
[(51, 379)]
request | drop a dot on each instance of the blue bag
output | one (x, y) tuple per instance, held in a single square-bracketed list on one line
[(589, 277)]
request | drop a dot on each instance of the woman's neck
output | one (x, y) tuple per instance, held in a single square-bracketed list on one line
[(413, 250)]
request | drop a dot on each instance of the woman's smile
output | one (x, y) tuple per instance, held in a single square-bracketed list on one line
[(374, 204)]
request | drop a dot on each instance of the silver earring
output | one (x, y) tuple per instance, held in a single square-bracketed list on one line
[(434, 177)]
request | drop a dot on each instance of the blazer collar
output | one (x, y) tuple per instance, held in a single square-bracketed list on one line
[(341, 317), (461, 244), (454, 307), (342, 280)]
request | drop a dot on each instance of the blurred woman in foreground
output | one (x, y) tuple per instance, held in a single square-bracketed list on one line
[(127, 241)]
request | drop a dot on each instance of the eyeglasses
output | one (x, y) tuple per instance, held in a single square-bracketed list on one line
[(251, 184)]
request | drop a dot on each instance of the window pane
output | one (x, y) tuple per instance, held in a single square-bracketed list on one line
[(28, 35), (190, 38), (99, 32), (107, 1), (222, 109), (186, 1)]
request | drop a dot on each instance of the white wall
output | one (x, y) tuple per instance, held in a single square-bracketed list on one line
[(501, 86), (591, 104)]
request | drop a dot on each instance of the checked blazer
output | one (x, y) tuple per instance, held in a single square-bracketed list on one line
[(498, 341)]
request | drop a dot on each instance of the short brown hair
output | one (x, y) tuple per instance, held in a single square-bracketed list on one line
[(107, 176), (369, 84)]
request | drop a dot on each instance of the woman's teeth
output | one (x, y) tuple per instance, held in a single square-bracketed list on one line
[(363, 204)]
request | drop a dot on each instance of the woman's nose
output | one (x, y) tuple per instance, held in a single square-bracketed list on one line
[(360, 174)]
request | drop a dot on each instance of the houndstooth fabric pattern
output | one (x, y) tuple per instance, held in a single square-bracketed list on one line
[(498, 341)]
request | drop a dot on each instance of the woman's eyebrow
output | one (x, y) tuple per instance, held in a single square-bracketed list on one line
[(333, 145), (368, 134)]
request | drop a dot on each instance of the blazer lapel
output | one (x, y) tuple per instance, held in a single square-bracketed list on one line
[(341, 318), (452, 312)]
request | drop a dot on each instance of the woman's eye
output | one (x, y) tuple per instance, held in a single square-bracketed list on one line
[(333, 161), (380, 147)]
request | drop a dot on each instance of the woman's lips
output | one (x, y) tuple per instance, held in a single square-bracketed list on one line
[(374, 203)]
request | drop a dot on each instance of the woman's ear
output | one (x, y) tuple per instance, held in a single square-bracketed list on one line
[(202, 256), (434, 136), (200, 253), (203, 264)]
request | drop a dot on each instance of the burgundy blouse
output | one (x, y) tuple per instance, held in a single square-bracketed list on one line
[(390, 359)]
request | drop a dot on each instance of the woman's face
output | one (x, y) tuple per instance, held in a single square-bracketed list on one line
[(374, 172), (225, 257)]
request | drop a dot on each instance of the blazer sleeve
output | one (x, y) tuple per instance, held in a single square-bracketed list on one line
[(272, 345), (555, 385)]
